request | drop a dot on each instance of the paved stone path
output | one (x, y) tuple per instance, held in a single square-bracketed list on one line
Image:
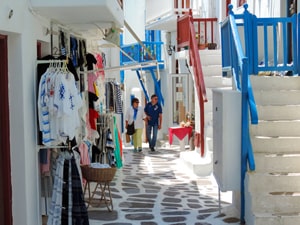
[(152, 189)]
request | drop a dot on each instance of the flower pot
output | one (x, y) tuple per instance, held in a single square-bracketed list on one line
[(201, 46), (212, 46)]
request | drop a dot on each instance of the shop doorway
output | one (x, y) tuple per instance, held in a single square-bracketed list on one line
[(5, 168), (182, 97)]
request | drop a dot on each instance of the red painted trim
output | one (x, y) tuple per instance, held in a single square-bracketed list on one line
[(186, 37), (39, 50), (242, 2), (5, 171), (227, 3)]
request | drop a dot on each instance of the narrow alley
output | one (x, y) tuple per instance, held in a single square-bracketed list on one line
[(153, 189)]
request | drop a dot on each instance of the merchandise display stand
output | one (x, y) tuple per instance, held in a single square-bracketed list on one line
[(102, 177)]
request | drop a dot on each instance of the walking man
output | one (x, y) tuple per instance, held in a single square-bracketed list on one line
[(153, 112)]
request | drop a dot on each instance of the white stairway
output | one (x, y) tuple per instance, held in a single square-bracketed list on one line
[(273, 189), (212, 69)]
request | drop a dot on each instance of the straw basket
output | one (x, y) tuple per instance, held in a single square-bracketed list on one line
[(98, 174)]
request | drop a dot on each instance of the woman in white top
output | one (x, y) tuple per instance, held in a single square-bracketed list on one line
[(136, 113)]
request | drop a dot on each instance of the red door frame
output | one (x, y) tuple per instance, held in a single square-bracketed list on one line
[(5, 166), (227, 3)]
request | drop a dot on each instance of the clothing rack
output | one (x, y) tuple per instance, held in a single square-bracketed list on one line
[(108, 79), (35, 97), (125, 67), (64, 62), (51, 147), (51, 61)]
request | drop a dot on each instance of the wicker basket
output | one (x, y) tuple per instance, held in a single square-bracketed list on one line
[(98, 174)]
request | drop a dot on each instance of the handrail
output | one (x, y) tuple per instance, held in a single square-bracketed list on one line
[(188, 39), (239, 62)]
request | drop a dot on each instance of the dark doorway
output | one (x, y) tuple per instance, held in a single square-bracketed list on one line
[(5, 168)]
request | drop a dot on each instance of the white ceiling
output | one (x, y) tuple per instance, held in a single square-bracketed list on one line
[(87, 17), (167, 24)]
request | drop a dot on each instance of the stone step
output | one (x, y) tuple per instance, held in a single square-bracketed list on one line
[(272, 163), (212, 70), (275, 144), (210, 57), (266, 183), (274, 188), (277, 97), (277, 219), (282, 112), (276, 128), (216, 82), (275, 83), (276, 203), (194, 163)]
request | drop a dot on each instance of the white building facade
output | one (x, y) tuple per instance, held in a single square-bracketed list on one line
[(24, 24)]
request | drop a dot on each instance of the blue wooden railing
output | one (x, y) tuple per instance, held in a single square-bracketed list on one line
[(268, 40), (139, 54), (268, 44), (233, 56), (274, 29)]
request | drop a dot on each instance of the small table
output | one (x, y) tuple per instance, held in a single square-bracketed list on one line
[(180, 132)]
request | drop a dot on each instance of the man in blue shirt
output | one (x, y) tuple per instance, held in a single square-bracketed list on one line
[(153, 111)]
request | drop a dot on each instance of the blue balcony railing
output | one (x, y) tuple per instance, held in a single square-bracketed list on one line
[(137, 53)]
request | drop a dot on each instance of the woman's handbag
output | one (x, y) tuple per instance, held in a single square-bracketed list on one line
[(130, 129)]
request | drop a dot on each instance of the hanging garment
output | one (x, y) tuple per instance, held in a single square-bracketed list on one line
[(117, 151), (118, 99), (66, 211), (91, 80), (58, 105), (67, 102), (110, 99), (93, 115), (74, 51), (95, 153), (84, 154), (90, 61), (99, 65), (55, 210), (79, 210), (43, 112), (110, 147), (67, 204), (62, 43), (92, 100)]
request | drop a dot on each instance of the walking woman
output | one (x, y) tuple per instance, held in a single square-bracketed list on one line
[(135, 114)]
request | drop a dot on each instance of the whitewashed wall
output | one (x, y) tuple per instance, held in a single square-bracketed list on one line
[(134, 15), (23, 30)]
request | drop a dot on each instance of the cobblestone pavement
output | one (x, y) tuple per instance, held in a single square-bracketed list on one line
[(152, 189)]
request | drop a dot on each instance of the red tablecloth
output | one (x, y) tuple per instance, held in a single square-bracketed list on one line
[(179, 132)]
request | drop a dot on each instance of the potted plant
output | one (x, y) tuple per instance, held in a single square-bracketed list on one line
[(211, 46), (201, 40)]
